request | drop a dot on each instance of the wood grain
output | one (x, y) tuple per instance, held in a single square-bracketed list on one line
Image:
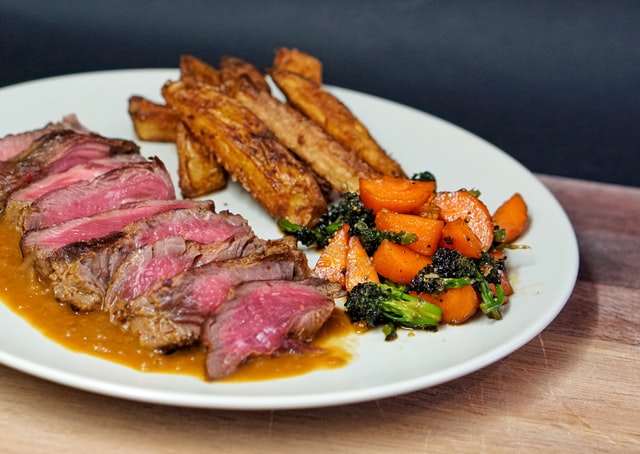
[(574, 388)]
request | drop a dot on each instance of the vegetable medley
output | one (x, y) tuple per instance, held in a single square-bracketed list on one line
[(411, 256)]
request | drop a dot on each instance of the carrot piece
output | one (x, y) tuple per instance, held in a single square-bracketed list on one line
[(397, 262), (359, 266), (427, 230), (396, 194), (512, 216), (458, 235), (464, 205), (457, 304), (332, 263), (427, 209), (507, 288)]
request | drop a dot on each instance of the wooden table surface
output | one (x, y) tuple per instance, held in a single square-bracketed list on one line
[(574, 388)]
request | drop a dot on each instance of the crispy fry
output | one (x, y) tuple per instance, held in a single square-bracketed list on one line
[(198, 170), (249, 152), (194, 71), (234, 71), (298, 62), (339, 167), (330, 161), (327, 110), (152, 122)]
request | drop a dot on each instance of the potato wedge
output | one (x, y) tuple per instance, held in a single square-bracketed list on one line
[(249, 152), (298, 62), (234, 70), (329, 112), (194, 71), (340, 168), (151, 121), (199, 172)]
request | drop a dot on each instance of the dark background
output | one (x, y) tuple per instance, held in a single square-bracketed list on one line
[(553, 83)]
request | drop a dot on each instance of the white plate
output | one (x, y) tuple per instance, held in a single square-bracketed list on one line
[(545, 274)]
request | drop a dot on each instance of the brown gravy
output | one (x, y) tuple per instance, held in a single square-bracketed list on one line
[(92, 333)]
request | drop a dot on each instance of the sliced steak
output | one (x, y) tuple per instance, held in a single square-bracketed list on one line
[(170, 314), (163, 260), (133, 182), (39, 245), (260, 319), (204, 238), (199, 223), (87, 171), (157, 246), (56, 152), (138, 270), (14, 144)]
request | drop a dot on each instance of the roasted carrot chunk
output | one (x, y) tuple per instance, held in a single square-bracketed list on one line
[(507, 288), (332, 263), (428, 231), (396, 194), (458, 235), (398, 263), (512, 216), (457, 304), (466, 206), (359, 267), (428, 209)]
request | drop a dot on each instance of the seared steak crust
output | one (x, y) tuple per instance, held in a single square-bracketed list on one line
[(13, 144), (80, 273)]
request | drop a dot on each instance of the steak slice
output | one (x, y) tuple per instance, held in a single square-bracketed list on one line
[(132, 182), (162, 260), (263, 318), (56, 152), (170, 314), (174, 240), (178, 240), (39, 245), (13, 144), (87, 171)]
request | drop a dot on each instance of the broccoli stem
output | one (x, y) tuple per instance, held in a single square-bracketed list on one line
[(436, 284), (390, 305), (308, 236), (411, 312), (491, 302)]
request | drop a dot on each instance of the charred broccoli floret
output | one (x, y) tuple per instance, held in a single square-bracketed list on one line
[(389, 304), (349, 210), (451, 269), (306, 235), (371, 237), (423, 176)]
